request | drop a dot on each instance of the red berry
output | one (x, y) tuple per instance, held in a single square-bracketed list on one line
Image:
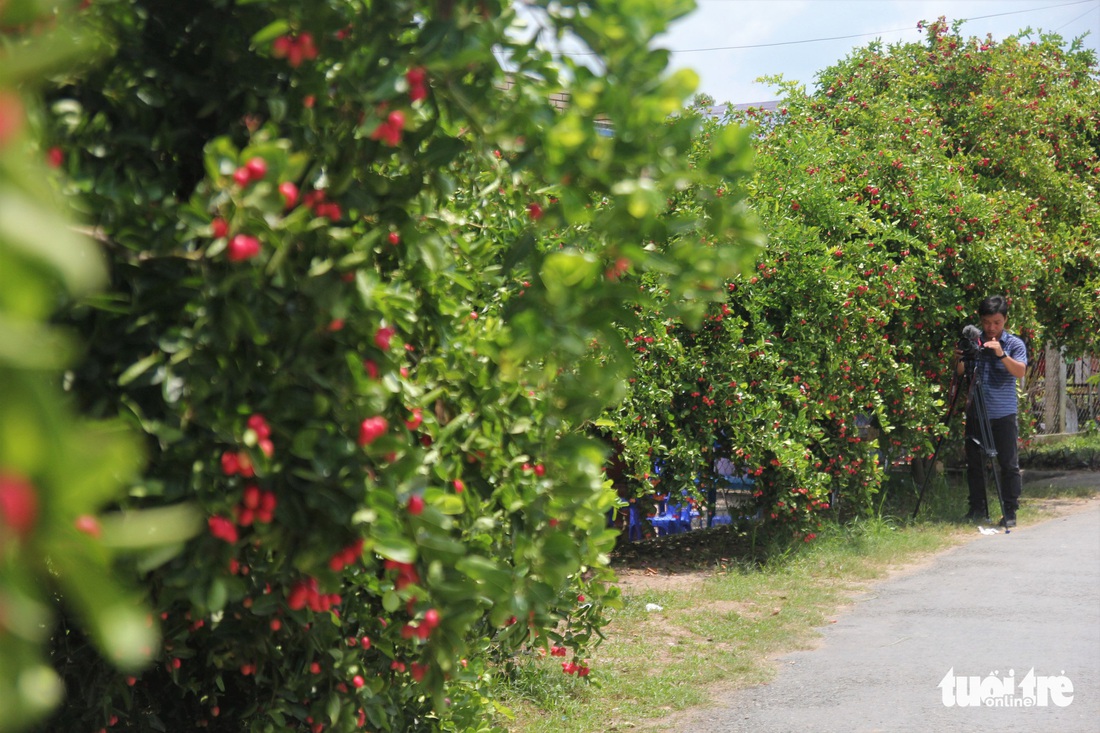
[(259, 425), (383, 336), (416, 505), (243, 247), (242, 176), (257, 168), (280, 47), (294, 55), (219, 227), (18, 504), (371, 429), (290, 194), (223, 529), (431, 618), (394, 238), (55, 157), (89, 525), (230, 463), (358, 681), (459, 486), (298, 596), (416, 78), (252, 495), (305, 44)]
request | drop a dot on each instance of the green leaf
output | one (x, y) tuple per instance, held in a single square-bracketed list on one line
[(216, 596), (37, 232), (563, 271), (138, 368), (394, 547), (270, 32), (489, 574), (136, 529)]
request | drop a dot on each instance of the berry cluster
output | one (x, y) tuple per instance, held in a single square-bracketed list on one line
[(295, 49)]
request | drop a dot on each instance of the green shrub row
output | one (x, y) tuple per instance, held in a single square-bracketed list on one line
[(910, 182)]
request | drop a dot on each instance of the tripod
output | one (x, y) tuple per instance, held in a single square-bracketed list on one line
[(976, 401)]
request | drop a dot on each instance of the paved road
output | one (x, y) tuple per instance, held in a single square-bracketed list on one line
[(1002, 604)]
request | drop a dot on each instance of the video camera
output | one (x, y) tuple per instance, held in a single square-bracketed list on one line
[(971, 343)]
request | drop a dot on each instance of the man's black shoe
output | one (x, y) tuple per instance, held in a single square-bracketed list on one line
[(977, 515), (1008, 522)]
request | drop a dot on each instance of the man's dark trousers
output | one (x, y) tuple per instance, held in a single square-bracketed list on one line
[(1004, 440)]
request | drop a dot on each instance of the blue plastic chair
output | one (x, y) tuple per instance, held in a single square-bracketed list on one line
[(634, 524)]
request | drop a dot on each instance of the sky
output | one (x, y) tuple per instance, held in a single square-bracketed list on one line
[(729, 74)]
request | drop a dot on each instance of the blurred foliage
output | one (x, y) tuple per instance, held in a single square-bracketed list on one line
[(58, 471)]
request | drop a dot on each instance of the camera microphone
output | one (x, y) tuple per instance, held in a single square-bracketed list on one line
[(970, 345), (972, 333)]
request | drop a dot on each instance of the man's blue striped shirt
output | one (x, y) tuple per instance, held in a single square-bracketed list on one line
[(998, 386)]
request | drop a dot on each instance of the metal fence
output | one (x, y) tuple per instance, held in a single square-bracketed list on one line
[(1062, 396)]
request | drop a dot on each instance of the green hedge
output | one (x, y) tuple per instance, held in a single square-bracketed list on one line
[(357, 265)]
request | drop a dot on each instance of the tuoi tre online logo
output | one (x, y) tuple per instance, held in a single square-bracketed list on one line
[(996, 691)]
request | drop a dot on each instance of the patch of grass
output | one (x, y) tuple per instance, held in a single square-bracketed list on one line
[(719, 628)]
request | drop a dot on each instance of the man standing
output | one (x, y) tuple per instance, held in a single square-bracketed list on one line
[(1000, 362)]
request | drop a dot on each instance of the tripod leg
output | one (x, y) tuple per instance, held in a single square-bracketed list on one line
[(986, 432), (994, 465)]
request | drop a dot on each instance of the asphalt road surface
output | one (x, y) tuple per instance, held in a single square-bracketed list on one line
[(1023, 607)]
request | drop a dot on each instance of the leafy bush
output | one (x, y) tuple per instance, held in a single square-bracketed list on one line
[(910, 183), (363, 288), (1078, 452)]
